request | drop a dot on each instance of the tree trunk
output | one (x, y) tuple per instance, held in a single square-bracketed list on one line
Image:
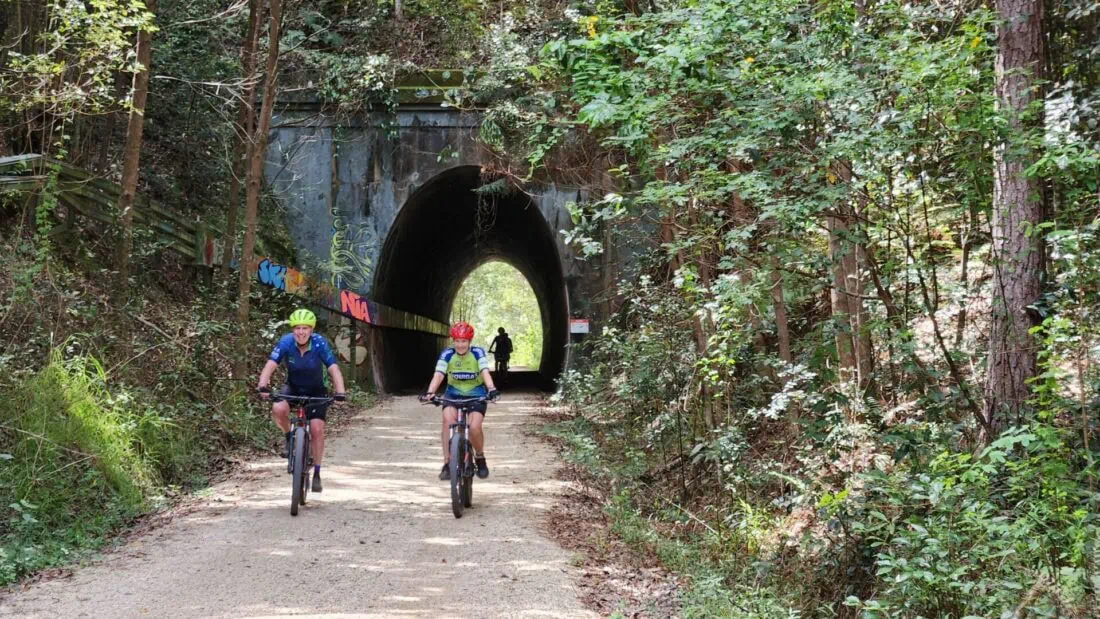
[(865, 354), (848, 258), (966, 241), (782, 330), (255, 166), (1017, 210), (246, 120), (842, 311), (132, 153), (110, 122)]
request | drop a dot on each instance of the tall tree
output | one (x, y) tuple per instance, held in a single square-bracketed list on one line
[(132, 152), (255, 163), (782, 330), (1017, 212), (849, 259), (246, 120)]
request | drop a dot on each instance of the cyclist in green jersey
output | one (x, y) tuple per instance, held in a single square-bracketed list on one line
[(466, 370)]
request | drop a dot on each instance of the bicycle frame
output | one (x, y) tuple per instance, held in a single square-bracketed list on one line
[(299, 462), (462, 427), (463, 468), (298, 420)]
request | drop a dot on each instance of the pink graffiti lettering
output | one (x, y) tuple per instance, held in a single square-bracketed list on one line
[(354, 305)]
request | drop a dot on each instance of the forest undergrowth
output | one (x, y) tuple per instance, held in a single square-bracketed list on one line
[(845, 350), (117, 400), (829, 383)]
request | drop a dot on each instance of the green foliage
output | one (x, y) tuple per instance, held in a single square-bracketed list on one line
[(709, 561), (92, 37), (67, 406), (744, 130), (497, 295), (73, 468), (1016, 525), (111, 406)]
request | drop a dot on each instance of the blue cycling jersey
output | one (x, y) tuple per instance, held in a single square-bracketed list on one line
[(304, 370)]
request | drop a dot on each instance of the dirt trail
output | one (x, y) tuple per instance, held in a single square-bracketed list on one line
[(380, 541)]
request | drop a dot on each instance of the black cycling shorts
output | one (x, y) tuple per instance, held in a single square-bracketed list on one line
[(480, 407), (313, 411)]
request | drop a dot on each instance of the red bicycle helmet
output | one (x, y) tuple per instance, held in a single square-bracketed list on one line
[(462, 331)]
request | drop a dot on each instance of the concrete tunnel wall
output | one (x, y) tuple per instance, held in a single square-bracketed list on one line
[(435, 243)]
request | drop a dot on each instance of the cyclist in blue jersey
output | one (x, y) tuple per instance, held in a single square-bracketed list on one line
[(307, 355), (466, 370)]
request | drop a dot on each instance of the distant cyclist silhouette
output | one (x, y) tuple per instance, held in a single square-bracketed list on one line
[(501, 349)]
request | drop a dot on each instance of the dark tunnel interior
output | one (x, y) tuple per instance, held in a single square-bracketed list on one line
[(443, 232)]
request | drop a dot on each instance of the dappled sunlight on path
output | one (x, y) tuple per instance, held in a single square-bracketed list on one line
[(380, 541)]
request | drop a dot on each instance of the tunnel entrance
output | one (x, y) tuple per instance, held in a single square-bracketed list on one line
[(497, 296), (444, 231)]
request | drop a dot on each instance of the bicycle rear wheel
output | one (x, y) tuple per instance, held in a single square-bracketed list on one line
[(298, 475), (457, 456)]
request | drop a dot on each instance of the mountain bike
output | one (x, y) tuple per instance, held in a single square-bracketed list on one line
[(463, 455), (299, 458), (502, 367)]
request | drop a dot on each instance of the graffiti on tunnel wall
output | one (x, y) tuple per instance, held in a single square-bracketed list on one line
[(349, 254), (342, 301), (280, 276), (342, 342), (354, 305), (293, 281)]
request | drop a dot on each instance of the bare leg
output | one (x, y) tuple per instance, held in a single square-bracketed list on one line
[(477, 436), (317, 439), (280, 412), (450, 415)]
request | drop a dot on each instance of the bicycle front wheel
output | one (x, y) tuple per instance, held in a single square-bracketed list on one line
[(298, 474), (467, 490), (305, 472), (457, 456)]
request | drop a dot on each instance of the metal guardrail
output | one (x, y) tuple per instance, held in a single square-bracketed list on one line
[(97, 199)]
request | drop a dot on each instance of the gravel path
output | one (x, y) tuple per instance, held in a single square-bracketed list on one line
[(380, 541)]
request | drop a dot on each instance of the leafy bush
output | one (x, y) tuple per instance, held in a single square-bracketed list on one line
[(72, 467), (1013, 527)]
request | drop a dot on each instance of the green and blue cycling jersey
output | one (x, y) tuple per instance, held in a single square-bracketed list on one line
[(463, 372)]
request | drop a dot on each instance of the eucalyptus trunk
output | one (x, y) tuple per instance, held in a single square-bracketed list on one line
[(132, 153), (1017, 250), (255, 164), (246, 121)]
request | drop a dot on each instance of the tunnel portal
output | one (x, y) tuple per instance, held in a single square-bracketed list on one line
[(444, 231)]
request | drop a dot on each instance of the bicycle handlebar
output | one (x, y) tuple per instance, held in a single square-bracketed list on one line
[(300, 399), (445, 401)]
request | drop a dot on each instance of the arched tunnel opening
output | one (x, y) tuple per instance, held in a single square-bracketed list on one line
[(445, 230)]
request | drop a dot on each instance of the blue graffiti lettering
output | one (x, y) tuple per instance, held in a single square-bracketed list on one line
[(271, 274)]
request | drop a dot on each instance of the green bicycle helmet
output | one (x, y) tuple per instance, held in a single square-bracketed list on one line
[(302, 317)]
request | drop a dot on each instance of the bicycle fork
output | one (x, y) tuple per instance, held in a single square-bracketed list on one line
[(290, 451), (471, 452)]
